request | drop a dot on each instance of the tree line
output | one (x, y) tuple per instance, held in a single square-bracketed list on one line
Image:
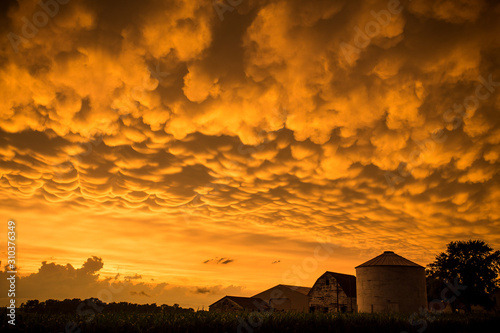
[(69, 306)]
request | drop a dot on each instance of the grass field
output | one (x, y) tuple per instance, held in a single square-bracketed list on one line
[(247, 322)]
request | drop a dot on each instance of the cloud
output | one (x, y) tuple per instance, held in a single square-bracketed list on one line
[(55, 281), (134, 277), (142, 293), (222, 261), (373, 122), (202, 290), (64, 281), (451, 11)]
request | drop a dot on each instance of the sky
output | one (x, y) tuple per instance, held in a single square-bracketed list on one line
[(180, 151)]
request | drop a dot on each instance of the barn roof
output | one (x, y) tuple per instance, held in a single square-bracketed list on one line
[(389, 258), (347, 282), (302, 290), (247, 303)]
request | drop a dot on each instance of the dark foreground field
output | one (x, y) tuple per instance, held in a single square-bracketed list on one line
[(250, 322)]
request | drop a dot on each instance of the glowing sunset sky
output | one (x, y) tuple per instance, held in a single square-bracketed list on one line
[(204, 149)]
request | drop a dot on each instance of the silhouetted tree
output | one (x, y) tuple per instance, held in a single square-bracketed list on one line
[(70, 306), (472, 264)]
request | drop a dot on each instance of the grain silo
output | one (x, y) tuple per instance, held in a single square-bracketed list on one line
[(390, 283)]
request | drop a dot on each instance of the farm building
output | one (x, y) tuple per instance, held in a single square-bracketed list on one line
[(286, 298), (235, 304), (390, 283), (333, 292)]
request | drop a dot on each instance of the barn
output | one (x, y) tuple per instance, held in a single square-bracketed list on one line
[(237, 304), (286, 298), (391, 283), (333, 292)]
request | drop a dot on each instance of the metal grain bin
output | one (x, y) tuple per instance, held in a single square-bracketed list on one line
[(390, 283)]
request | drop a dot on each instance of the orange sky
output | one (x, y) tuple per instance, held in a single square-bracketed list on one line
[(205, 149)]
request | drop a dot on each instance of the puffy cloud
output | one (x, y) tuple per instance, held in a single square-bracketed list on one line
[(55, 281), (375, 122), (452, 11)]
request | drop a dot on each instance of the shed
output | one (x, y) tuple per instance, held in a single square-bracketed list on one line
[(286, 298), (235, 304)]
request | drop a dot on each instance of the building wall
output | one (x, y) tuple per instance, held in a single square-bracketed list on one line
[(323, 297), (225, 305), (391, 289), (285, 299), (282, 304)]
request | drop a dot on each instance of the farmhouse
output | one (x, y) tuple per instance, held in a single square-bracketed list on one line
[(333, 292), (236, 304), (286, 298)]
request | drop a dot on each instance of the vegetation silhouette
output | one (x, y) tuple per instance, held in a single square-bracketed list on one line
[(69, 306), (466, 274)]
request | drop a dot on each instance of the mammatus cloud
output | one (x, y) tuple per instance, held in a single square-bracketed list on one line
[(375, 122)]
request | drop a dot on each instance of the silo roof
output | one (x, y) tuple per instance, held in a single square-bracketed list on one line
[(389, 258)]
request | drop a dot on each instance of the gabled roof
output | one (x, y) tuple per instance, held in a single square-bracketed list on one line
[(247, 303), (301, 290), (389, 258), (347, 282)]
